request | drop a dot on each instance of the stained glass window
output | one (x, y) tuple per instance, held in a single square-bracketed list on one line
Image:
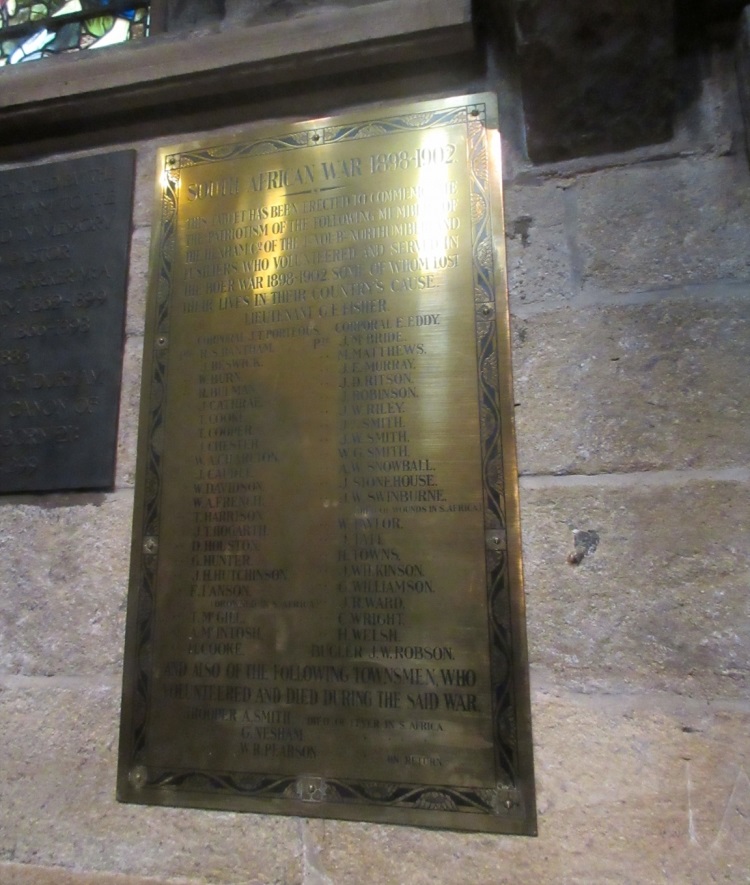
[(32, 29)]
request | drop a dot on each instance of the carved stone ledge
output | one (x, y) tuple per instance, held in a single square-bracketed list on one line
[(160, 76)]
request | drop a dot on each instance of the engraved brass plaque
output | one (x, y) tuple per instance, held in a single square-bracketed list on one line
[(326, 614), (64, 244)]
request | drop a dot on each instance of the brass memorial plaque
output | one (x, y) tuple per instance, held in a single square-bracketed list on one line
[(326, 614)]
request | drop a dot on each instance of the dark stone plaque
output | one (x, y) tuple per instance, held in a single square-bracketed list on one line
[(64, 243)]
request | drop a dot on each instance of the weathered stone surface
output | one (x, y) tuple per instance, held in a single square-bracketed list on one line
[(660, 794), (58, 799), (708, 124), (256, 11), (661, 604), (20, 874), (743, 72), (130, 398), (595, 79), (184, 14), (138, 281), (145, 184), (712, 122), (540, 273), (658, 225), (644, 387), (627, 793), (63, 573)]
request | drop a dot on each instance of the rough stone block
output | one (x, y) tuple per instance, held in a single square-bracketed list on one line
[(661, 795), (138, 281), (145, 184), (663, 224), (59, 809), (21, 874), (644, 387), (712, 122), (618, 786), (708, 123), (536, 239), (258, 11), (130, 398), (660, 605), (63, 572), (743, 72), (186, 14), (595, 79)]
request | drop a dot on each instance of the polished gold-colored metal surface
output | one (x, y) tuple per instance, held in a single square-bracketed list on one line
[(326, 612)]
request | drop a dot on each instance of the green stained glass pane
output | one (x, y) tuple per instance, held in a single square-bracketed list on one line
[(98, 27), (17, 12), (36, 29)]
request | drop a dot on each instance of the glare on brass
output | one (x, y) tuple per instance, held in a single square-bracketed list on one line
[(327, 619)]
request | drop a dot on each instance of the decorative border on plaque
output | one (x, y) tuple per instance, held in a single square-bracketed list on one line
[(505, 798)]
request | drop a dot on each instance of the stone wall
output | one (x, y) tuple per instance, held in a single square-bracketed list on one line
[(630, 293)]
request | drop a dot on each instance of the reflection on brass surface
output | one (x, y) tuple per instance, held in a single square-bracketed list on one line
[(326, 614), (64, 240)]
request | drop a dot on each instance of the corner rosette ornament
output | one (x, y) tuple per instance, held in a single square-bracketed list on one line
[(478, 208), (418, 121), (379, 790), (484, 254), (435, 801), (311, 789)]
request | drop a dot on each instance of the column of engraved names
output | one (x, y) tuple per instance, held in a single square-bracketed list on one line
[(383, 470), (378, 466), (411, 257), (233, 270), (229, 524), (58, 293), (236, 266), (229, 569), (348, 272)]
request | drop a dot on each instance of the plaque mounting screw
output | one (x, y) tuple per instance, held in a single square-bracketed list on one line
[(139, 776), (486, 310), (495, 539), (150, 546), (162, 341), (316, 137)]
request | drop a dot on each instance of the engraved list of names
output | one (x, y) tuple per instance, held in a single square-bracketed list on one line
[(325, 613), (64, 245)]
